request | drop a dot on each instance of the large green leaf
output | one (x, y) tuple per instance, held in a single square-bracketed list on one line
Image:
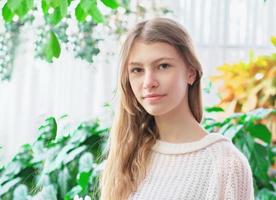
[(19, 7), (260, 131), (88, 7), (59, 10), (257, 155), (52, 48)]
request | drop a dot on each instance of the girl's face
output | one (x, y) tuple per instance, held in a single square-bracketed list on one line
[(158, 77)]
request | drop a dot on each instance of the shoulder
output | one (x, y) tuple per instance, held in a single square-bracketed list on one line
[(230, 155), (231, 158), (236, 179)]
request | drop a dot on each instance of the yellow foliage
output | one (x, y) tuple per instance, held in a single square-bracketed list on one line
[(249, 85)]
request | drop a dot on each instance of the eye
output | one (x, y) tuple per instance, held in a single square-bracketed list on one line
[(136, 70), (163, 66)]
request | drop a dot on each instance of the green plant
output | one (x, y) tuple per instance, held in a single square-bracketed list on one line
[(254, 140), (56, 168), (61, 168), (17, 13)]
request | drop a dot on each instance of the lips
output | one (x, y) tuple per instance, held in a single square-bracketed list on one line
[(153, 95), (153, 98)]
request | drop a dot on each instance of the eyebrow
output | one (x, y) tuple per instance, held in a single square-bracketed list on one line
[(153, 62)]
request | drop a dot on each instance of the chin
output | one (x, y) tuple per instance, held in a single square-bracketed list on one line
[(155, 111)]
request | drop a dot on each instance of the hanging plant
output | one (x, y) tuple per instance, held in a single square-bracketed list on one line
[(52, 33), (9, 38), (71, 25)]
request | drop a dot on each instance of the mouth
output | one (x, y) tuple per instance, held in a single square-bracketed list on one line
[(153, 98)]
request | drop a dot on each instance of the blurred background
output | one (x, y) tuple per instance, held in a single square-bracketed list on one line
[(60, 59)]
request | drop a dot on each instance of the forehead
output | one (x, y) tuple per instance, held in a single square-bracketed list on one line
[(146, 52)]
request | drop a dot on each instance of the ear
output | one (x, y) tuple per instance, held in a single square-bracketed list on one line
[(192, 72)]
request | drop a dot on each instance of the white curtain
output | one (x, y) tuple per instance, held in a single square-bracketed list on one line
[(222, 30)]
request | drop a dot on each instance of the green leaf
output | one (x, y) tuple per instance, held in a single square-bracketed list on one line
[(88, 7), (259, 113), (60, 10), (224, 127), (55, 17), (111, 3), (78, 136), (214, 109), (96, 14), (76, 152), (20, 7), (69, 2), (53, 3), (86, 4), (7, 13), (233, 130), (257, 155), (52, 48), (45, 7), (260, 131), (60, 158), (73, 192), (265, 194), (24, 8), (83, 181), (63, 180), (12, 169), (80, 13), (7, 186), (14, 4), (48, 130)]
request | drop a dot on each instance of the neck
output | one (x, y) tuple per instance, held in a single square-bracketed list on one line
[(179, 125)]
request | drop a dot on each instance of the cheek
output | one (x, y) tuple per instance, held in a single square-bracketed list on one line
[(135, 88), (177, 85)]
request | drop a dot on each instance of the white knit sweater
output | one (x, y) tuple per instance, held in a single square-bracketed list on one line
[(209, 169)]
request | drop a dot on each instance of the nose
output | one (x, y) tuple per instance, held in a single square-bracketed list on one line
[(150, 81)]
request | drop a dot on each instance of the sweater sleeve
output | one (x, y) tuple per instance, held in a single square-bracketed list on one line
[(236, 177)]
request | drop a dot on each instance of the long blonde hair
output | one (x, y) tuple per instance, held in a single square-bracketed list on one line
[(134, 131)]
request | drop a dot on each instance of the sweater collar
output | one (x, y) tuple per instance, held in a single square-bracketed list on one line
[(180, 148)]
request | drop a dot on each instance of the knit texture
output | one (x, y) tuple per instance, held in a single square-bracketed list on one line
[(209, 169)]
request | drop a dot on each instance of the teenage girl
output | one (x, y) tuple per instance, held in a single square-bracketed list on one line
[(157, 147)]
